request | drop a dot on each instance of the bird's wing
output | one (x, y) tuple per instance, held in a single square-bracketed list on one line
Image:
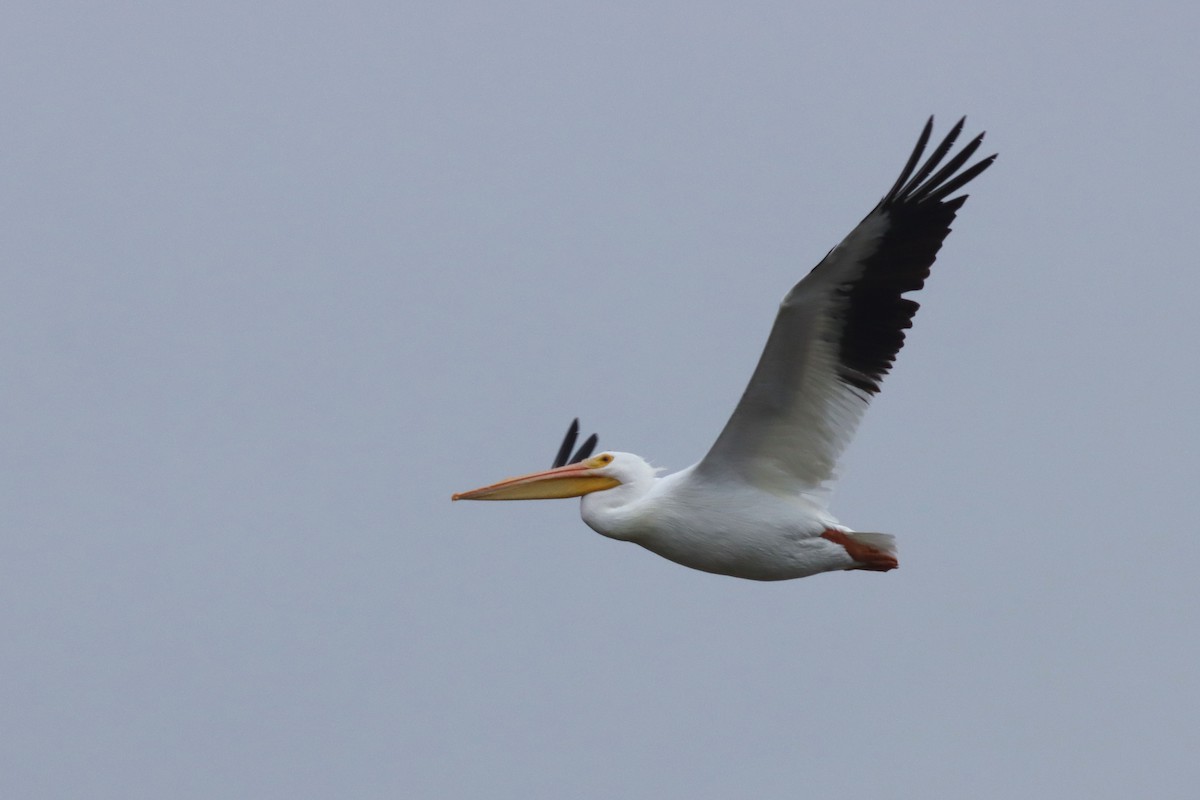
[(839, 329), (564, 450)]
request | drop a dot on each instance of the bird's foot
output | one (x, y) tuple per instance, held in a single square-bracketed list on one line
[(865, 556)]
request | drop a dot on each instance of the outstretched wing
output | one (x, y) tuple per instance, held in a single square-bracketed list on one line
[(568, 442), (839, 330)]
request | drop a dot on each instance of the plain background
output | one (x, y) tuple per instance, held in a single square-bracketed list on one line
[(280, 277)]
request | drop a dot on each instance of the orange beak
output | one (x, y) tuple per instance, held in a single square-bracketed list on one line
[(571, 480)]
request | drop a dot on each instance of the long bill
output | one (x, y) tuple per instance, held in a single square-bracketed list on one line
[(571, 480)]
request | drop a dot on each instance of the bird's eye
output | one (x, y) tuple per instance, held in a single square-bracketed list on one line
[(602, 459)]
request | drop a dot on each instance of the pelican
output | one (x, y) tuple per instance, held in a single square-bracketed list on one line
[(757, 505)]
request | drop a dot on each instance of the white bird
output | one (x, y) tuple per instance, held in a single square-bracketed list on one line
[(756, 505)]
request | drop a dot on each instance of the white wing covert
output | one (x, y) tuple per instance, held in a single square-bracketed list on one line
[(838, 332)]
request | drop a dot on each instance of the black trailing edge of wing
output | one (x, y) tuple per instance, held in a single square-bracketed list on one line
[(564, 456), (919, 217)]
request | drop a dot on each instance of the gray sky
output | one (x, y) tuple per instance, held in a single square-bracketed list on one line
[(281, 277)]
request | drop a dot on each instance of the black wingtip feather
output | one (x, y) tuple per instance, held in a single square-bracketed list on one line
[(585, 450), (919, 216), (934, 159), (564, 456), (962, 180), (564, 450), (912, 159)]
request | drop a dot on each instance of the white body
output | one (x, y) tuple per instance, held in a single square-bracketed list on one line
[(742, 531)]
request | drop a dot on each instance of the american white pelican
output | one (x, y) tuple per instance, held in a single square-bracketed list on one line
[(756, 506)]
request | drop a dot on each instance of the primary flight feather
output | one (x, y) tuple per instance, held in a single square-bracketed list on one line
[(756, 505)]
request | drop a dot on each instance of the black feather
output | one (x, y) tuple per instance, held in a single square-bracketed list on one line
[(585, 449), (564, 456), (568, 442), (919, 216)]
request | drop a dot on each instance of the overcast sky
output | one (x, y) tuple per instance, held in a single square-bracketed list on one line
[(281, 277)]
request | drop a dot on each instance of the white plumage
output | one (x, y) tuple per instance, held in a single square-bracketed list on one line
[(756, 506)]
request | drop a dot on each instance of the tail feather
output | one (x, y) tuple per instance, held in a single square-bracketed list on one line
[(883, 542)]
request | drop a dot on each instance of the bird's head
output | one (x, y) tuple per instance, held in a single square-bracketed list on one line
[(595, 474)]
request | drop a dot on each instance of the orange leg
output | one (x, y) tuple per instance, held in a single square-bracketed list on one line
[(867, 557)]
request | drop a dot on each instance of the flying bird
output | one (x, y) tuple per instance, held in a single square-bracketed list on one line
[(757, 505)]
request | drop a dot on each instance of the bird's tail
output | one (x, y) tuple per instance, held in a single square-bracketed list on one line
[(883, 542)]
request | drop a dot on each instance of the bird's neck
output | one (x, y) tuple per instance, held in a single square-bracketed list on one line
[(616, 512)]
